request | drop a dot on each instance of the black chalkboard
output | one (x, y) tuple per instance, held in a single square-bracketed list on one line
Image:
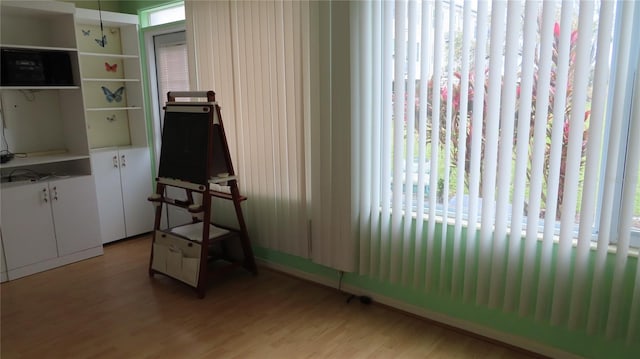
[(184, 154)]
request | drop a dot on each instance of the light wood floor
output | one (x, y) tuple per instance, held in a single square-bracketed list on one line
[(107, 307)]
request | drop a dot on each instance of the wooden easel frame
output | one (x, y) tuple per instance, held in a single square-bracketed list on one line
[(216, 140)]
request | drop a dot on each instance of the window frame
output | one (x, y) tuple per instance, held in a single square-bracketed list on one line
[(634, 62), (145, 14)]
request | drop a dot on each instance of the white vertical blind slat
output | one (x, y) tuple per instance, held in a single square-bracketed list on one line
[(435, 141), (553, 178), (476, 145), (363, 146), (592, 168), (507, 115), (574, 155), (278, 133), (398, 136), (410, 125), (545, 280), (376, 145), (387, 123), (356, 24), (624, 226), (321, 168), (613, 154), (425, 52), (456, 281), (539, 134), (296, 171), (521, 159), (629, 198), (492, 123), (447, 146)]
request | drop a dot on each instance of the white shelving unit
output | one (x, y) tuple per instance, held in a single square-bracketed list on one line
[(43, 123), (49, 210), (111, 79), (112, 87)]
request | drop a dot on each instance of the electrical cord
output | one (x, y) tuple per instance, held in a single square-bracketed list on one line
[(363, 298), (29, 174), (5, 154)]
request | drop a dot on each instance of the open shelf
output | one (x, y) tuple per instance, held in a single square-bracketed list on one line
[(72, 87), (35, 47), (110, 80), (41, 159), (115, 56)]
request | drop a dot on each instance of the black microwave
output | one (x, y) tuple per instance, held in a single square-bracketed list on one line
[(35, 68)]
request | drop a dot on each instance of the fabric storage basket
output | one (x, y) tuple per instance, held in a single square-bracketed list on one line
[(176, 257)]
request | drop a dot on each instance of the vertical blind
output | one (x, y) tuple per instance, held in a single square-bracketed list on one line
[(172, 68), (483, 137), (251, 54)]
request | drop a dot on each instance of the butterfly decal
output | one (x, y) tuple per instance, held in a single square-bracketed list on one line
[(113, 96), (110, 68), (86, 32), (102, 42), (111, 118)]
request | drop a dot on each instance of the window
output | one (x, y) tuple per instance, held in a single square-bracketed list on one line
[(503, 133), (163, 15), (531, 169), (167, 60)]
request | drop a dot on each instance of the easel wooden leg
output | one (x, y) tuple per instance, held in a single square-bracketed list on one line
[(204, 252), (158, 218), (249, 260)]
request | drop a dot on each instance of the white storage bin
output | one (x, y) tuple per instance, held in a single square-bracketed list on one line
[(176, 257)]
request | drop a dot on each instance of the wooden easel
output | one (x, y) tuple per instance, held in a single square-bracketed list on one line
[(195, 157)]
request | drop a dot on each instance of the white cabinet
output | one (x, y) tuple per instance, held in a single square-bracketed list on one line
[(49, 210), (27, 225), (109, 54), (48, 223), (74, 213), (123, 182)]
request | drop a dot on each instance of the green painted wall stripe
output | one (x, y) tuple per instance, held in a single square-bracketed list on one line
[(577, 342)]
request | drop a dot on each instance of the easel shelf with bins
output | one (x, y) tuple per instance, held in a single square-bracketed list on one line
[(195, 158)]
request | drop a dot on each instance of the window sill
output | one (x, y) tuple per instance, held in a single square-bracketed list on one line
[(611, 248)]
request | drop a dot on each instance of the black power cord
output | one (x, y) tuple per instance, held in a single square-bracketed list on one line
[(363, 298)]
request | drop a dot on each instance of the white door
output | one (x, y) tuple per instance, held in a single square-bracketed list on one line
[(169, 72), (135, 176), (27, 225), (106, 171), (75, 214)]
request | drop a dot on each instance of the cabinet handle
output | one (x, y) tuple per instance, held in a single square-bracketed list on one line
[(115, 161), (55, 193), (45, 195), (123, 162)]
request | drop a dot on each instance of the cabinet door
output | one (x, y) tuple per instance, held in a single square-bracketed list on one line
[(27, 225), (106, 170), (135, 175), (75, 214)]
